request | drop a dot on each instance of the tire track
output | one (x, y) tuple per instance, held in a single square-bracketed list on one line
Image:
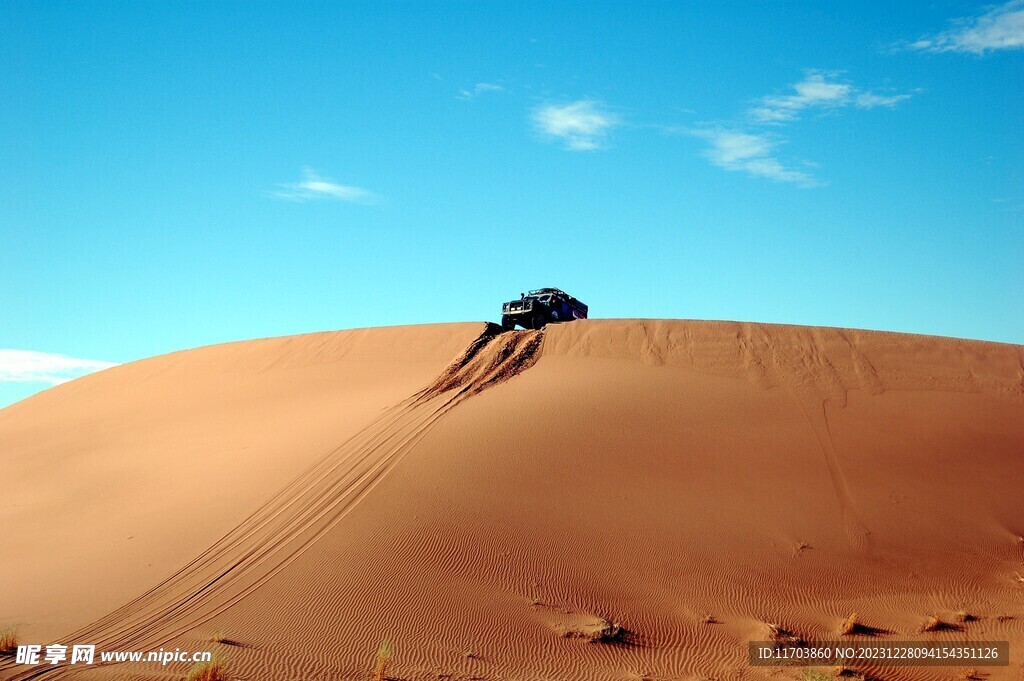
[(308, 507)]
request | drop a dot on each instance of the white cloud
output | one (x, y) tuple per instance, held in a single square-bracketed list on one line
[(581, 125), (1001, 28), (818, 90), (869, 100), (26, 366), (815, 90), (741, 147), (749, 153), (480, 89), (313, 186)]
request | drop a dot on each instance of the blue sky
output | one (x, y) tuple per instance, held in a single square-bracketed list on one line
[(180, 174)]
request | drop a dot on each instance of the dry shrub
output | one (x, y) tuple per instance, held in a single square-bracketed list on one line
[(934, 623), (843, 672), (384, 654), (224, 639), (850, 625), (814, 675), (609, 632), (213, 670), (8, 640), (782, 636), (602, 631)]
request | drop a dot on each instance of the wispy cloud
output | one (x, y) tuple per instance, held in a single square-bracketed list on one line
[(751, 153), (1001, 28), (818, 90), (869, 100), (580, 125), (744, 145), (480, 89), (27, 366), (313, 186), (814, 90)]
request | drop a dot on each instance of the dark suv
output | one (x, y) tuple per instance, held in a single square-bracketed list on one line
[(540, 307)]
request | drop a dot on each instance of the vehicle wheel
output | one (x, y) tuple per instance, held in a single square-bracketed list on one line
[(538, 322), (507, 324), (554, 315)]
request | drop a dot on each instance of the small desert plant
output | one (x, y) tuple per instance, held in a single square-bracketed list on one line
[(709, 619), (850, 625), (934, 623), (964, 616), (599, 631), (841, 671), (384, 654), (782, 636), (609, 632), (970, 675), (223, 639), (814, 675), (8, 640), (212, 670)]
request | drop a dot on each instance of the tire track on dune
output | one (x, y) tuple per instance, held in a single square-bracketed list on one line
[(297, 516), (812, 381)]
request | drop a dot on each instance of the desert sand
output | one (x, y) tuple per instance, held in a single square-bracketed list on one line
[(491, 503)]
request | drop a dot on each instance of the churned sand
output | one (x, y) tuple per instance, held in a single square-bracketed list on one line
[(606, 499)]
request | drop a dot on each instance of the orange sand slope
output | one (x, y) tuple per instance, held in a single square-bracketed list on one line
[(491, 502)]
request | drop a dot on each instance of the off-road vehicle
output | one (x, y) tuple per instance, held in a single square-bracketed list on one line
[(543, 306)]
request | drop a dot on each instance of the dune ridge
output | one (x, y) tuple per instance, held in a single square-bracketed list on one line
[(686, 486)]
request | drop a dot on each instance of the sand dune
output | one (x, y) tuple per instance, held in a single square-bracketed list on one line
[(491, 503)]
